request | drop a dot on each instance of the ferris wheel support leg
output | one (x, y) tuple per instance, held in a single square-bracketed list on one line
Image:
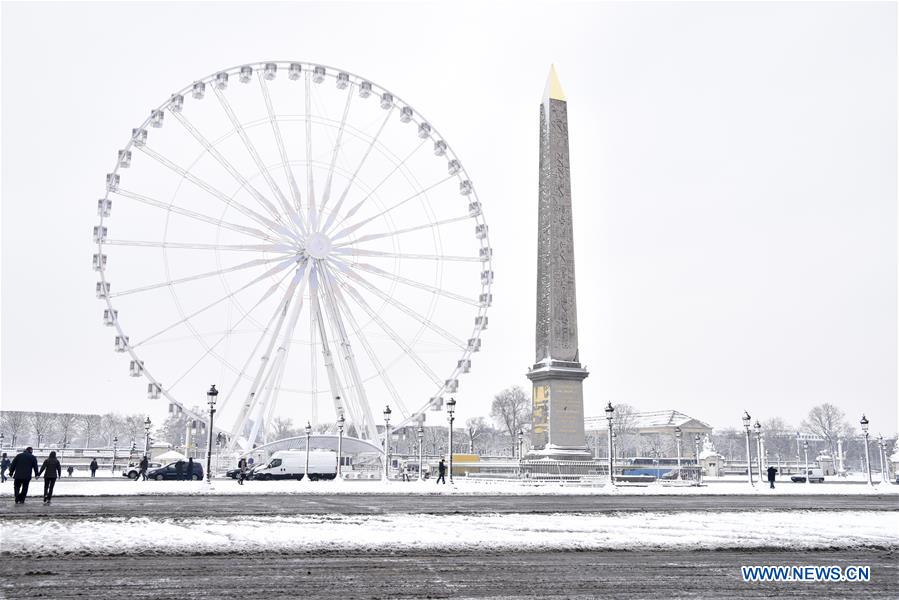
[(342, 401)]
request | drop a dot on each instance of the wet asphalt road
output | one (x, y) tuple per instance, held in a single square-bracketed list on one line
[(631, 575), (223, 506)]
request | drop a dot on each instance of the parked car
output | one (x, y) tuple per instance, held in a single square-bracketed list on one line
[(233, 473), (132, 471), (291, 464), (168, 472), (814, 476)]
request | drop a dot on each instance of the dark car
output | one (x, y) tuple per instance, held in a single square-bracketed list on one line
[(168, 472)]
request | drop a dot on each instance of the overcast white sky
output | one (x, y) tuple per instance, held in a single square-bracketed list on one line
[(733, 175)]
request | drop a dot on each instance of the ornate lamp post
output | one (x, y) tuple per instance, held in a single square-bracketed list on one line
[(677, 436), (864, 424), (147, 425), (451, 410), (308, 430), (340, 423), (746, 420), (421, 440), (211, 395), (610, 412), (520, 442), (387, 413), (115, 442), (758, 448), (696, 441), (883, 473), (808, 478)]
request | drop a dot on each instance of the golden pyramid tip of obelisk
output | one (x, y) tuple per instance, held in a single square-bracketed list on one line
[(553, 87)]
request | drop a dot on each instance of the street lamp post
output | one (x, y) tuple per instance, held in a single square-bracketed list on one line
[(520, 442), (677, 436), (746, 420), (1, 440), (421, 441), (883, 474), (308, 430), (147, 425), (758, 448), (864, 424), (451, 415), (210, 399), (387, 413), (115, 442), (610, 413), (340, 423), (808, 478), (698, 466)]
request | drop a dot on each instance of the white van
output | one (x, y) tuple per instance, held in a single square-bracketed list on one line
[(814, 476), (291, 464)]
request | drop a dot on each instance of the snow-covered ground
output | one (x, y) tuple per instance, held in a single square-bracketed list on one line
[(806, 530), (462, 486)]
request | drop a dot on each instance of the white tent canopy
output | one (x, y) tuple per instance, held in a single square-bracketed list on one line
[(170, 456)]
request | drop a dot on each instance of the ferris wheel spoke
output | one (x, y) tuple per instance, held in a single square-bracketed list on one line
[(252, 399), (251, 231), (349, 185), (347, 355), (348, 230), (274, 270), (372, 355), (378, 236), (254, 154), (346, 110), (393, 335), (397, 167), (410, 282), (258, 262), (276, 248), (318, 325), (404, 308), (310, 184), (379, 254), (296, 214), (264, 221)]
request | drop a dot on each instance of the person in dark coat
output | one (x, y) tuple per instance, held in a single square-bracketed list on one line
[(144, 465), (190, 469), (441, 472), (94, 467), (242, 466), (70, 470), (20, 470), (51, 470), (179, 469), (772, 472), (4, 465)]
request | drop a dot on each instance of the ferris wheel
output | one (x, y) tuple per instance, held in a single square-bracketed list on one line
[(302, 237)]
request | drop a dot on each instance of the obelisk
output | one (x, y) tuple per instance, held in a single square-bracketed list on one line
[(557, 375)]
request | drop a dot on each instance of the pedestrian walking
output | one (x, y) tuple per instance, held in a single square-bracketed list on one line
[(20, 470), (179, 469), (190, 469), (441, 472), (94, 467), (242, 466), (144, 465), (51, 470), (772, 472), (4, 465), (406, 472), (70, 470)]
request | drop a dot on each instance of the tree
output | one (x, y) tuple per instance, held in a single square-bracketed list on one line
[(66, 427), (828, 422), (779, 438), (88, 426), (282, 427), (624, 424), (14, 423), (511, 409), (42, 424), (475, 428)]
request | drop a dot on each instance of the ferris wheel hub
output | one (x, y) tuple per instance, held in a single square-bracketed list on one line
[(318, 245)]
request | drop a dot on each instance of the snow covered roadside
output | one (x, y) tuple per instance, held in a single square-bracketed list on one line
[(802, 530), (463, 486)]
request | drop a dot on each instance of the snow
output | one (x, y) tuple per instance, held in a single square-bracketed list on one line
[(802, 530), (463, 486)]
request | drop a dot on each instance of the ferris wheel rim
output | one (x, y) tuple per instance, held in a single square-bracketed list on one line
[(257, 67)]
